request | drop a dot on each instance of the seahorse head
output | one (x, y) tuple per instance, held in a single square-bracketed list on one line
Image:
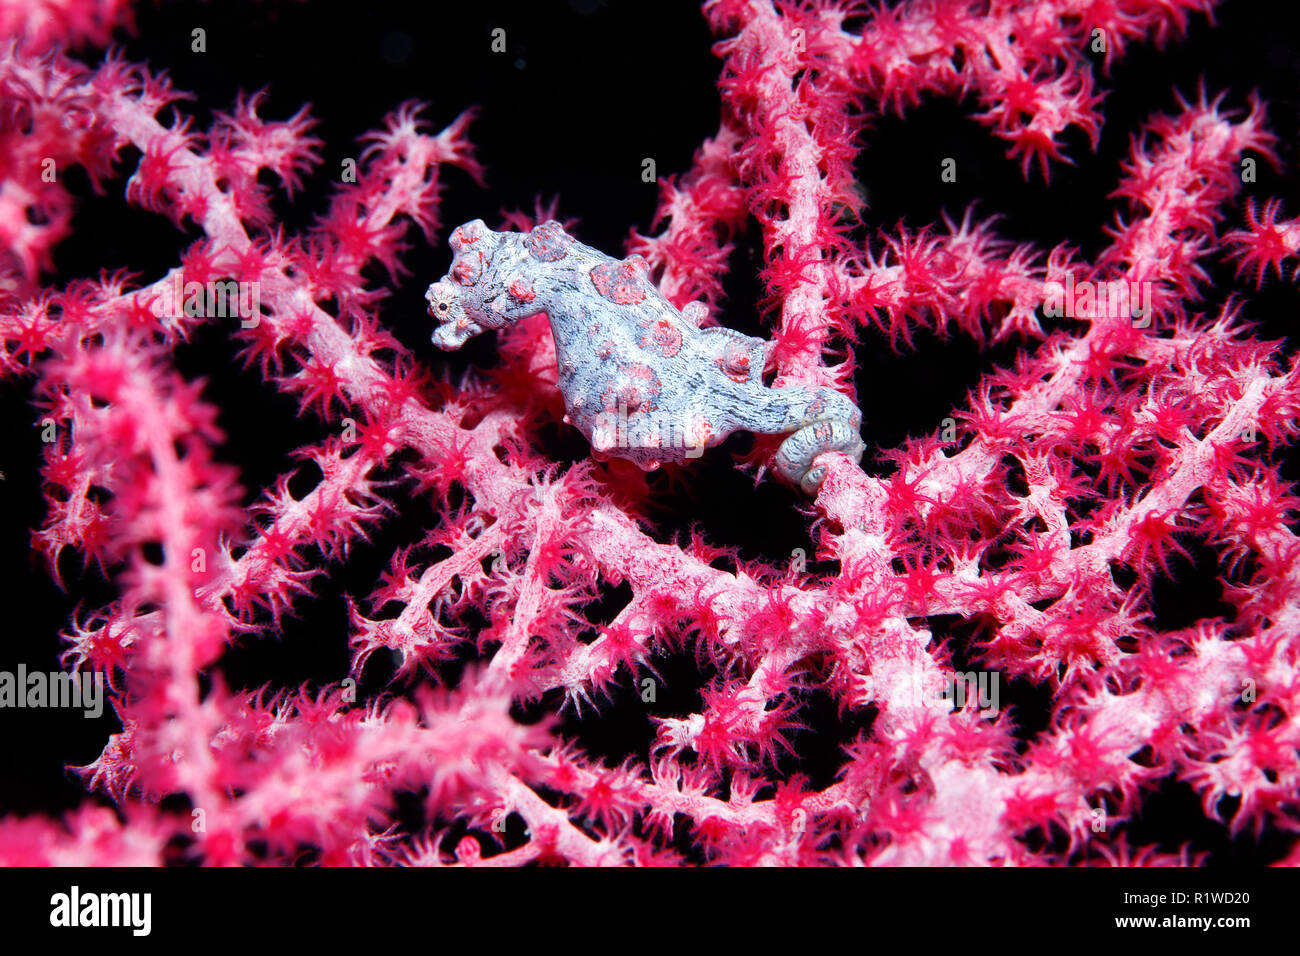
[(485, 288)]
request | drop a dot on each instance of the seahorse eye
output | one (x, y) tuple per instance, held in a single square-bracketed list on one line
[(442, 306)]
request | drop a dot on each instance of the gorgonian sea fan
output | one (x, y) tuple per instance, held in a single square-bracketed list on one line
[(968, 663)]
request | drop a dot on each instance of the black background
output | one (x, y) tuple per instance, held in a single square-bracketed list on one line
[(585, 91)]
